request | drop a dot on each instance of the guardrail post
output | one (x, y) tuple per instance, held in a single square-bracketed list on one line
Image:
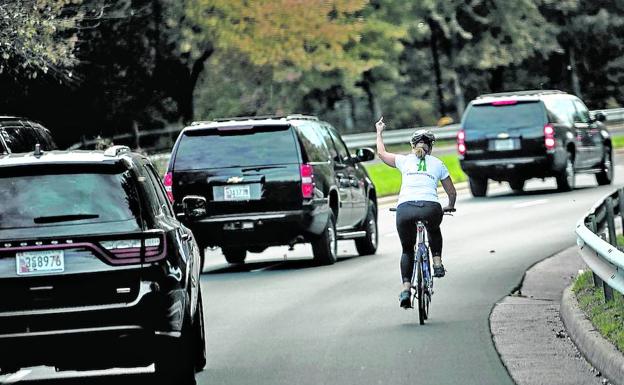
[(607, 291), (621, 205), (610, 221), (594, 228)]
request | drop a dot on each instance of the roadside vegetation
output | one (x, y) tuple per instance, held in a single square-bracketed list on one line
[(606, 317)]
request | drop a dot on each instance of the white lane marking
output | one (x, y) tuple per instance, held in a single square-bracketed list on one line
[(530, 203), (15, 377)]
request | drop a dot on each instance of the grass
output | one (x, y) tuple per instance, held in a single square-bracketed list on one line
[(617, 141), (388, 179), (606, 317)]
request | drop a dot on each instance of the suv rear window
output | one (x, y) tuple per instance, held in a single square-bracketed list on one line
[(486, 117), (52, 199), (236, 147)]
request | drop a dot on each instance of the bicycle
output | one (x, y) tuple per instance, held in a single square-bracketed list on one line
[(423, 289)]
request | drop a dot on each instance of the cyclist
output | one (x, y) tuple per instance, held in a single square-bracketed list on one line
[(418, 200)]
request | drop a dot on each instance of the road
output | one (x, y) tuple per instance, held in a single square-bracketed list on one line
[(281, 320)]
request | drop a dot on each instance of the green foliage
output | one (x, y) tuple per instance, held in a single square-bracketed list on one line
[(39, 37)]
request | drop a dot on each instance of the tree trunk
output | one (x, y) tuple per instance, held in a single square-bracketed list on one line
[(436, 66), (457, 90), (496, 79), (576, 84), (186, 98), (373, 104)]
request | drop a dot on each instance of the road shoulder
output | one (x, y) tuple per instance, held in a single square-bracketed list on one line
[(528, 333)]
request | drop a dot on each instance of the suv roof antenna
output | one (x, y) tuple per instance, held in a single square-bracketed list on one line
[(116, 150), (38, 152)]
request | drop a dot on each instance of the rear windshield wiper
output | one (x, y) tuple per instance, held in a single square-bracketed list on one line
[(65, 218)]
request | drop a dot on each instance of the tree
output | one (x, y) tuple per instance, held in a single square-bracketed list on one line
[(486, 35), (289, 37), (39, 37)]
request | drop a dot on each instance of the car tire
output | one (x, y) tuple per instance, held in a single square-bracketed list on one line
[(234, 255), (478, 186), (566, 178), (174, 364), (325, 248), (605, 177), (517, 185), (368, 244), (199, 335)]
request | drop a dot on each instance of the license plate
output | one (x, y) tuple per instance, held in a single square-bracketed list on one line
[(236, 193), (40, 262), (504, 144)]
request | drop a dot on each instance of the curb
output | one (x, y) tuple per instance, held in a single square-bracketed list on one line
[(597, 350)]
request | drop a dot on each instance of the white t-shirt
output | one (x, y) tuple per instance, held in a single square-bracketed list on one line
[(420, 178)]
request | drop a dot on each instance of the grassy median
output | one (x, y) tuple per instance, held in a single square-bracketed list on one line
[(388, 179), (608, 317)]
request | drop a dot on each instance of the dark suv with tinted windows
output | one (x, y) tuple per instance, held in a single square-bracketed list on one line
[(95, 270), (517, 136), (259, 182), (21, 135)]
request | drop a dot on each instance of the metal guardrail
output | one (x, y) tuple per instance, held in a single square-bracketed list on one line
[(366, 139), (597, 239)]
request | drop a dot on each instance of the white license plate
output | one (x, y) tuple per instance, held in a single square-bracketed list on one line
[(236, 193), (504, 144), (40, 262)]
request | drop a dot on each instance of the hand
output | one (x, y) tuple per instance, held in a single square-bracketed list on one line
[(380, 125)]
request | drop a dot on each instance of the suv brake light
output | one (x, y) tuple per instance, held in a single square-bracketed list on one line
[(128, 251), (168, 182), (549, 137), (307, 181), (461, 142)]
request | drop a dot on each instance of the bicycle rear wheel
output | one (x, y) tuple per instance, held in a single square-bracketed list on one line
[(421, 293)]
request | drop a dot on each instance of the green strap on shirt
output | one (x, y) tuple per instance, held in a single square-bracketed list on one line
[(422, 165)]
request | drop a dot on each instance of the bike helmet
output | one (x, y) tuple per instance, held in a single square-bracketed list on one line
[(425, 135)]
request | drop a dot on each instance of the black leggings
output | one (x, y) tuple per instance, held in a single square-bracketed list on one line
[(408, 214)]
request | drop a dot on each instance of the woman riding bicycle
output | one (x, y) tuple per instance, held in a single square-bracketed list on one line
[(418, 200)]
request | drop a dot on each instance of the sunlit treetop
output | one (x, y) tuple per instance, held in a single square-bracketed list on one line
[(305, 34)]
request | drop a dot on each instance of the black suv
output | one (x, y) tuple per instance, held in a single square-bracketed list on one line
[(259, 182), (95, 270), (521, 135), (21, 135)]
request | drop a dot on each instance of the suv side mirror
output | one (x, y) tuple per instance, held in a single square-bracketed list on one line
[(194, 206), (364, 154), (599, 116)]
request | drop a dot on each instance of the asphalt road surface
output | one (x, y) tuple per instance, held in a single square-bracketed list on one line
[(280, 320)]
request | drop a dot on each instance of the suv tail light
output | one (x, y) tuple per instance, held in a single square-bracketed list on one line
[(128, 251), (168, 182), (549, 137), (307, 181), (461, 142)]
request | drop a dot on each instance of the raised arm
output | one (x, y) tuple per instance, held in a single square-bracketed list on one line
[(387, 157), (449, 187)]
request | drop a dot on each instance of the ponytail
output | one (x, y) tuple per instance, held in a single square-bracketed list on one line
[(420, 152)]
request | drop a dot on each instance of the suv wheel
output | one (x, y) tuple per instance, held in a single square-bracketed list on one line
[(478, 186), (517, 185), (199, 335), (234, 254), (325, 248), (565, 180), (368, 244), (605, 176), (175, 364)]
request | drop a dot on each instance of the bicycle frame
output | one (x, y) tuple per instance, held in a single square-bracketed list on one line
[(421, 255)]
